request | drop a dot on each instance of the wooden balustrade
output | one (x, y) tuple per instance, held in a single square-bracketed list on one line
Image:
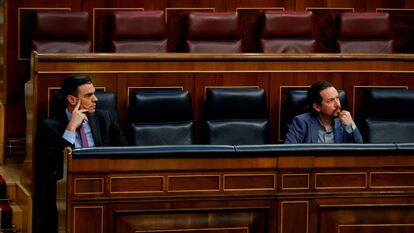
[(270, 188)]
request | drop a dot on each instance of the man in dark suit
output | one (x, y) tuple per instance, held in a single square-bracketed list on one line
[(326, 122), (78, 125)]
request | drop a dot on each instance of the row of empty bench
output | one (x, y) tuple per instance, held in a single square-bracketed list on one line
[(276, 32)]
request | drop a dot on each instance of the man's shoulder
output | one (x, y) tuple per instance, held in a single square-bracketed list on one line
[(103, 113), (50, 128), (304, 116), (305, 119)]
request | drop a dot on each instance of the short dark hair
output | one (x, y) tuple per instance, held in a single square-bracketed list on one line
[(71, 83), (314, 96)]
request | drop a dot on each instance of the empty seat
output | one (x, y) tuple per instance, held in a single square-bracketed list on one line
[(236, 116), (213, 32), (161, 118), (139, 31), (296, 104), (287, 32), (388, 116), (61, 31), (367, 32)]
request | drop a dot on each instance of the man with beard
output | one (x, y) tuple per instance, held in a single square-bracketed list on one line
[(326, 122)]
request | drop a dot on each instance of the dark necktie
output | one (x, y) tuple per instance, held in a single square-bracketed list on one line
[(83, 137)]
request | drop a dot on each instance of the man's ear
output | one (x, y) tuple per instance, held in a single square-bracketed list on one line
[(316, 106), (72, 100)]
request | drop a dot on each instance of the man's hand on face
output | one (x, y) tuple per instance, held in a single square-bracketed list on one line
[(78, 116), (345, 117), (337, 112)]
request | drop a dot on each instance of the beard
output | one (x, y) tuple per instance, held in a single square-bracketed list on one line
[(336, 112)]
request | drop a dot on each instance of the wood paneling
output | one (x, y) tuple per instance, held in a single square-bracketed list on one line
[(398, 4), (294, 216), (392, 179), (341, 180), (357, 5), (90, 185), (136, 184), (235, 182), (218, 5), (243, 221), (87, 219), (232, 5), (189, 183), (294, 181), (371, 217), (147, 5), (321, 191)]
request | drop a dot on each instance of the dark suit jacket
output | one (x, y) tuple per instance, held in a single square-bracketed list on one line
[(105, 131), (305, 129), (48, 162)]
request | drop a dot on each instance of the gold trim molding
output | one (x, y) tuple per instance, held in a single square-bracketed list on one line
[(274, 188), (295, 174), (75, 180), (341, 187)]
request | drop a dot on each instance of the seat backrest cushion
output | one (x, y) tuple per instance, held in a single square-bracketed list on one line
[(367, 32), (162, 106), (237, 132), (235, 103), (61, 31), (287, 32), (236, 116), (174, 133), (213, 32), (139, 31), (388, 103), (161, 118), (389, 130), (388, 116)]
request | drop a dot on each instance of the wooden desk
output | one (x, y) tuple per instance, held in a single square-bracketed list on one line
[(272, 188)]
